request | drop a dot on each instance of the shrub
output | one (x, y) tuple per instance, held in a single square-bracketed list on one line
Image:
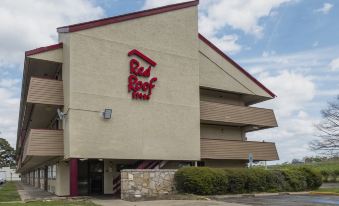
[(209, 181), (335, 174), (313, 178), (295, 179), (276, 181), (236, 180), (201, 181), (325, 174)]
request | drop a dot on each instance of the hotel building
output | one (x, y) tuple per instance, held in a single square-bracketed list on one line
[(141, 90)]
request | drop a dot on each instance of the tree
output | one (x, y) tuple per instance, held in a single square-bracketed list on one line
[(7, 154), (328, 142), (296, 161)]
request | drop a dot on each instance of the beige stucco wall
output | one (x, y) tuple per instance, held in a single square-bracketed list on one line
[(65, 38), (165, 127), (221, 97), (218, 73), (53, 55), (221, 132), (225, 163)]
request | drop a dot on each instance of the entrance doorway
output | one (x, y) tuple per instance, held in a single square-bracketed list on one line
[(90, 177)]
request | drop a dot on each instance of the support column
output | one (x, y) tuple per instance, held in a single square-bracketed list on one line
[(73, 166)]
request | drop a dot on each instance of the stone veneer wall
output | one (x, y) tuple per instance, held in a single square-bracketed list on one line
[(146, 183)]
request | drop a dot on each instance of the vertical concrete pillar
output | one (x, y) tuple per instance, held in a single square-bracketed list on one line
[(62, 186), (108, 177), (73, 166)]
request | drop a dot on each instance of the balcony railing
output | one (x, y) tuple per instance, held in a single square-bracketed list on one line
[(225, 114), (44, 143), (45, 91), (237, 150)]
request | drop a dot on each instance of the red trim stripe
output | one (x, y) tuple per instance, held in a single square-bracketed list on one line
[(73, 167), (125, 17), (227, 58), (43, 49)]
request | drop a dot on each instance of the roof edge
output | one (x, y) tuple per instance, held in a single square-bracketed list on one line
[(43, 49), (229, 59), (125, 17)]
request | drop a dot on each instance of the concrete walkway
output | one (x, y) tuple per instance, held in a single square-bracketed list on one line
[(116, 202), (28, 192)]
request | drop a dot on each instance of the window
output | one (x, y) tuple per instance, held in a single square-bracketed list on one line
[(42, 173), (201, 164), (54, 172), (51, 174)]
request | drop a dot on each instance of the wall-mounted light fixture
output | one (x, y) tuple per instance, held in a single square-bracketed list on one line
[(107, 114)]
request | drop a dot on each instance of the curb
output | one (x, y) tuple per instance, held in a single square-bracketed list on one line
[(324, 193), (11, 202), (260, 195)]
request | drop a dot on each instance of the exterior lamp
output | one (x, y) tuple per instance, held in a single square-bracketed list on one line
[(107, 114)]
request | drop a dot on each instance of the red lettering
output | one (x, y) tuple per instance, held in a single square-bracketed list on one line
[(133, 65), (138, 87), (151, 86), (132, 79), (140, 71), (145, 86), (147, 72)]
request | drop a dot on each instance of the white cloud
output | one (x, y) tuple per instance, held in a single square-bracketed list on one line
[(334, 64), (227, 43), (293, 91), (215, 15), (315, 59), (9, 106), (155, 3), (9, 83), (27, 24), (237, 14), (325, 9), (296, 126), (303, 86), (328, 92)]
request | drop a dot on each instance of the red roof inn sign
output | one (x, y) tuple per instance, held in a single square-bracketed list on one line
[(138, 82)]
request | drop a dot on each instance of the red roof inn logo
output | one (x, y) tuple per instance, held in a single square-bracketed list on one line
[(137, 80)]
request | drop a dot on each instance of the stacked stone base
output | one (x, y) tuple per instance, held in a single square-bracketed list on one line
[(139, 184)]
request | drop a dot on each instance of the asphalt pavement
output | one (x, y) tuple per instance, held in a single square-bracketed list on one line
[(285, 200)]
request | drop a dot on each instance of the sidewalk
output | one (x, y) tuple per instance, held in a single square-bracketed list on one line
[(28, 192), (116, 202)]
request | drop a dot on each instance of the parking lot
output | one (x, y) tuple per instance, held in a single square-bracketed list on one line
[(286, 200)]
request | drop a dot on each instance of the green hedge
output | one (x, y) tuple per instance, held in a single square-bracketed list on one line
[(328, 169), (211, 181)]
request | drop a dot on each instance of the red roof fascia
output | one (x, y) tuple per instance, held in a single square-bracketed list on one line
[(43, 49), (227, 58), (125, 17)]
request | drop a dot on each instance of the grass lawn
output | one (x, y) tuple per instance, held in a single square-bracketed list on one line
[(8, 193), (335, 190), (54, 203)]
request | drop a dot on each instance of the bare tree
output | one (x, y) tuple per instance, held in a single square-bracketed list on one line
[(328, 142)]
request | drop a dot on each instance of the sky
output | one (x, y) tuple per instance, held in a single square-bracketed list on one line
[(291, 46)]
